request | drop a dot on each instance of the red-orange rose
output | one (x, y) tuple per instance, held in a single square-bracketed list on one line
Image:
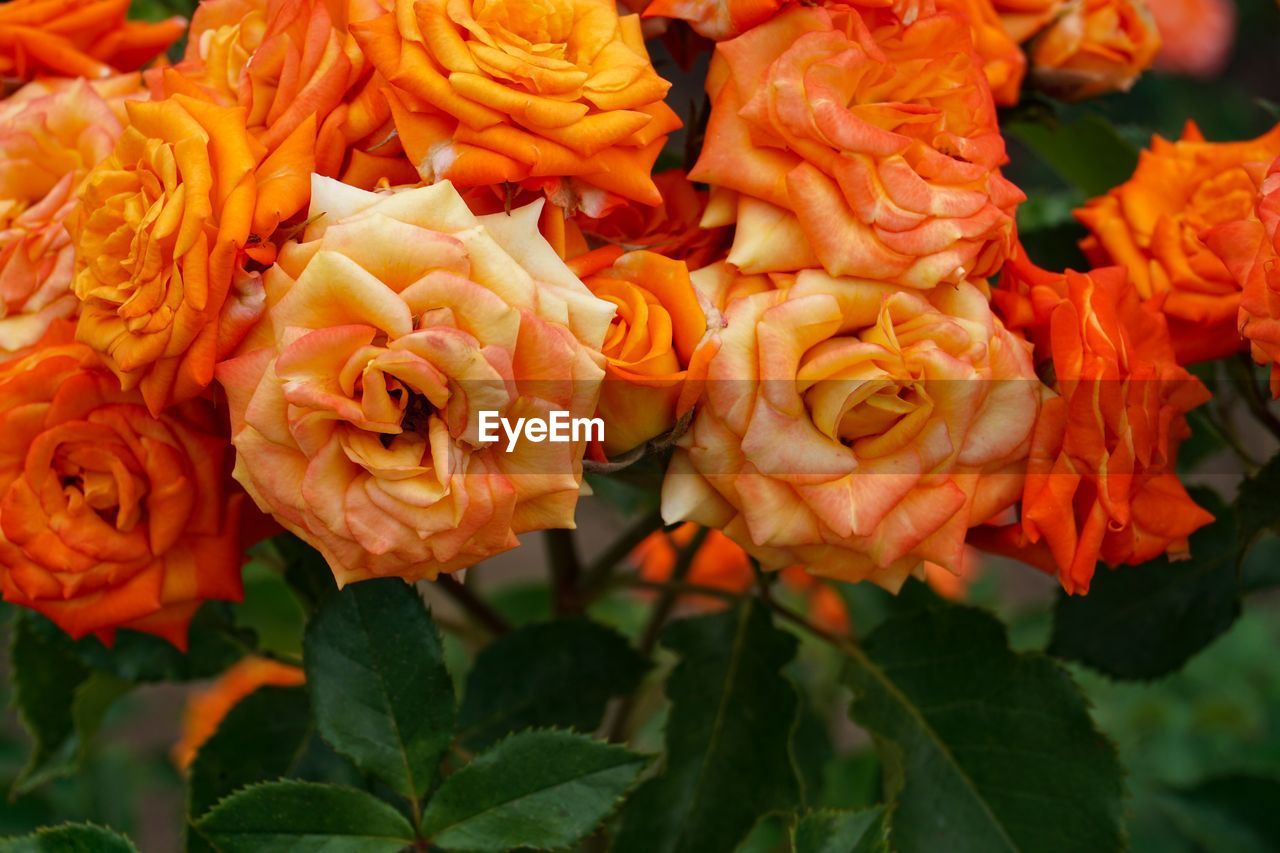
[(1250, 249), (1100, 481)]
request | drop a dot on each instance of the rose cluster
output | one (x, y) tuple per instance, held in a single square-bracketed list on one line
[(273, 281)]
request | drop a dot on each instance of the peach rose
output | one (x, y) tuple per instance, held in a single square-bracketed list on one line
[(671, 228), (657, 347), (355, 404), (1152, 226), (857, 428), (109, 517), (285, 60), (1196, 35), (859, 143), (78, 38), (161, 236), (1094, 47), (1250, 250), (1100, 482), (559, 95), (207, 708), (47, 145)]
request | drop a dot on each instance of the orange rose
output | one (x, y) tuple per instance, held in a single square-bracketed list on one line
[(161, 234), (1101, 481), (670, 228), (720, 563), (1094, 47), (286, 60), (857, 428), (560, 95), (1196, 35), (356, 404), (657, 347), (716, 19), (1022, 19), (47, 145), (207, 708), (110, 518), (1152, 226), (860, 143), (78, 38), (1250, 249)]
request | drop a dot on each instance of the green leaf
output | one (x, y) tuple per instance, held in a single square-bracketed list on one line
[(984, 749), (556, 674), (305, 816), (305, 570), (1147, 621), (1230, 814), (263, 737), (69, 838), (1088, 153), (60, 700), (837, 831), (541, 790), (379, 687), (1258, 502), (213, 645), (727, 738)]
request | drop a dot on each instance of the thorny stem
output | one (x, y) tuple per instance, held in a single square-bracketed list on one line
[(473, 605)]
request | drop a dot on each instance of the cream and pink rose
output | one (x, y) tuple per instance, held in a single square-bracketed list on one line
[(50, 137), (857, 428), (391, 324)]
